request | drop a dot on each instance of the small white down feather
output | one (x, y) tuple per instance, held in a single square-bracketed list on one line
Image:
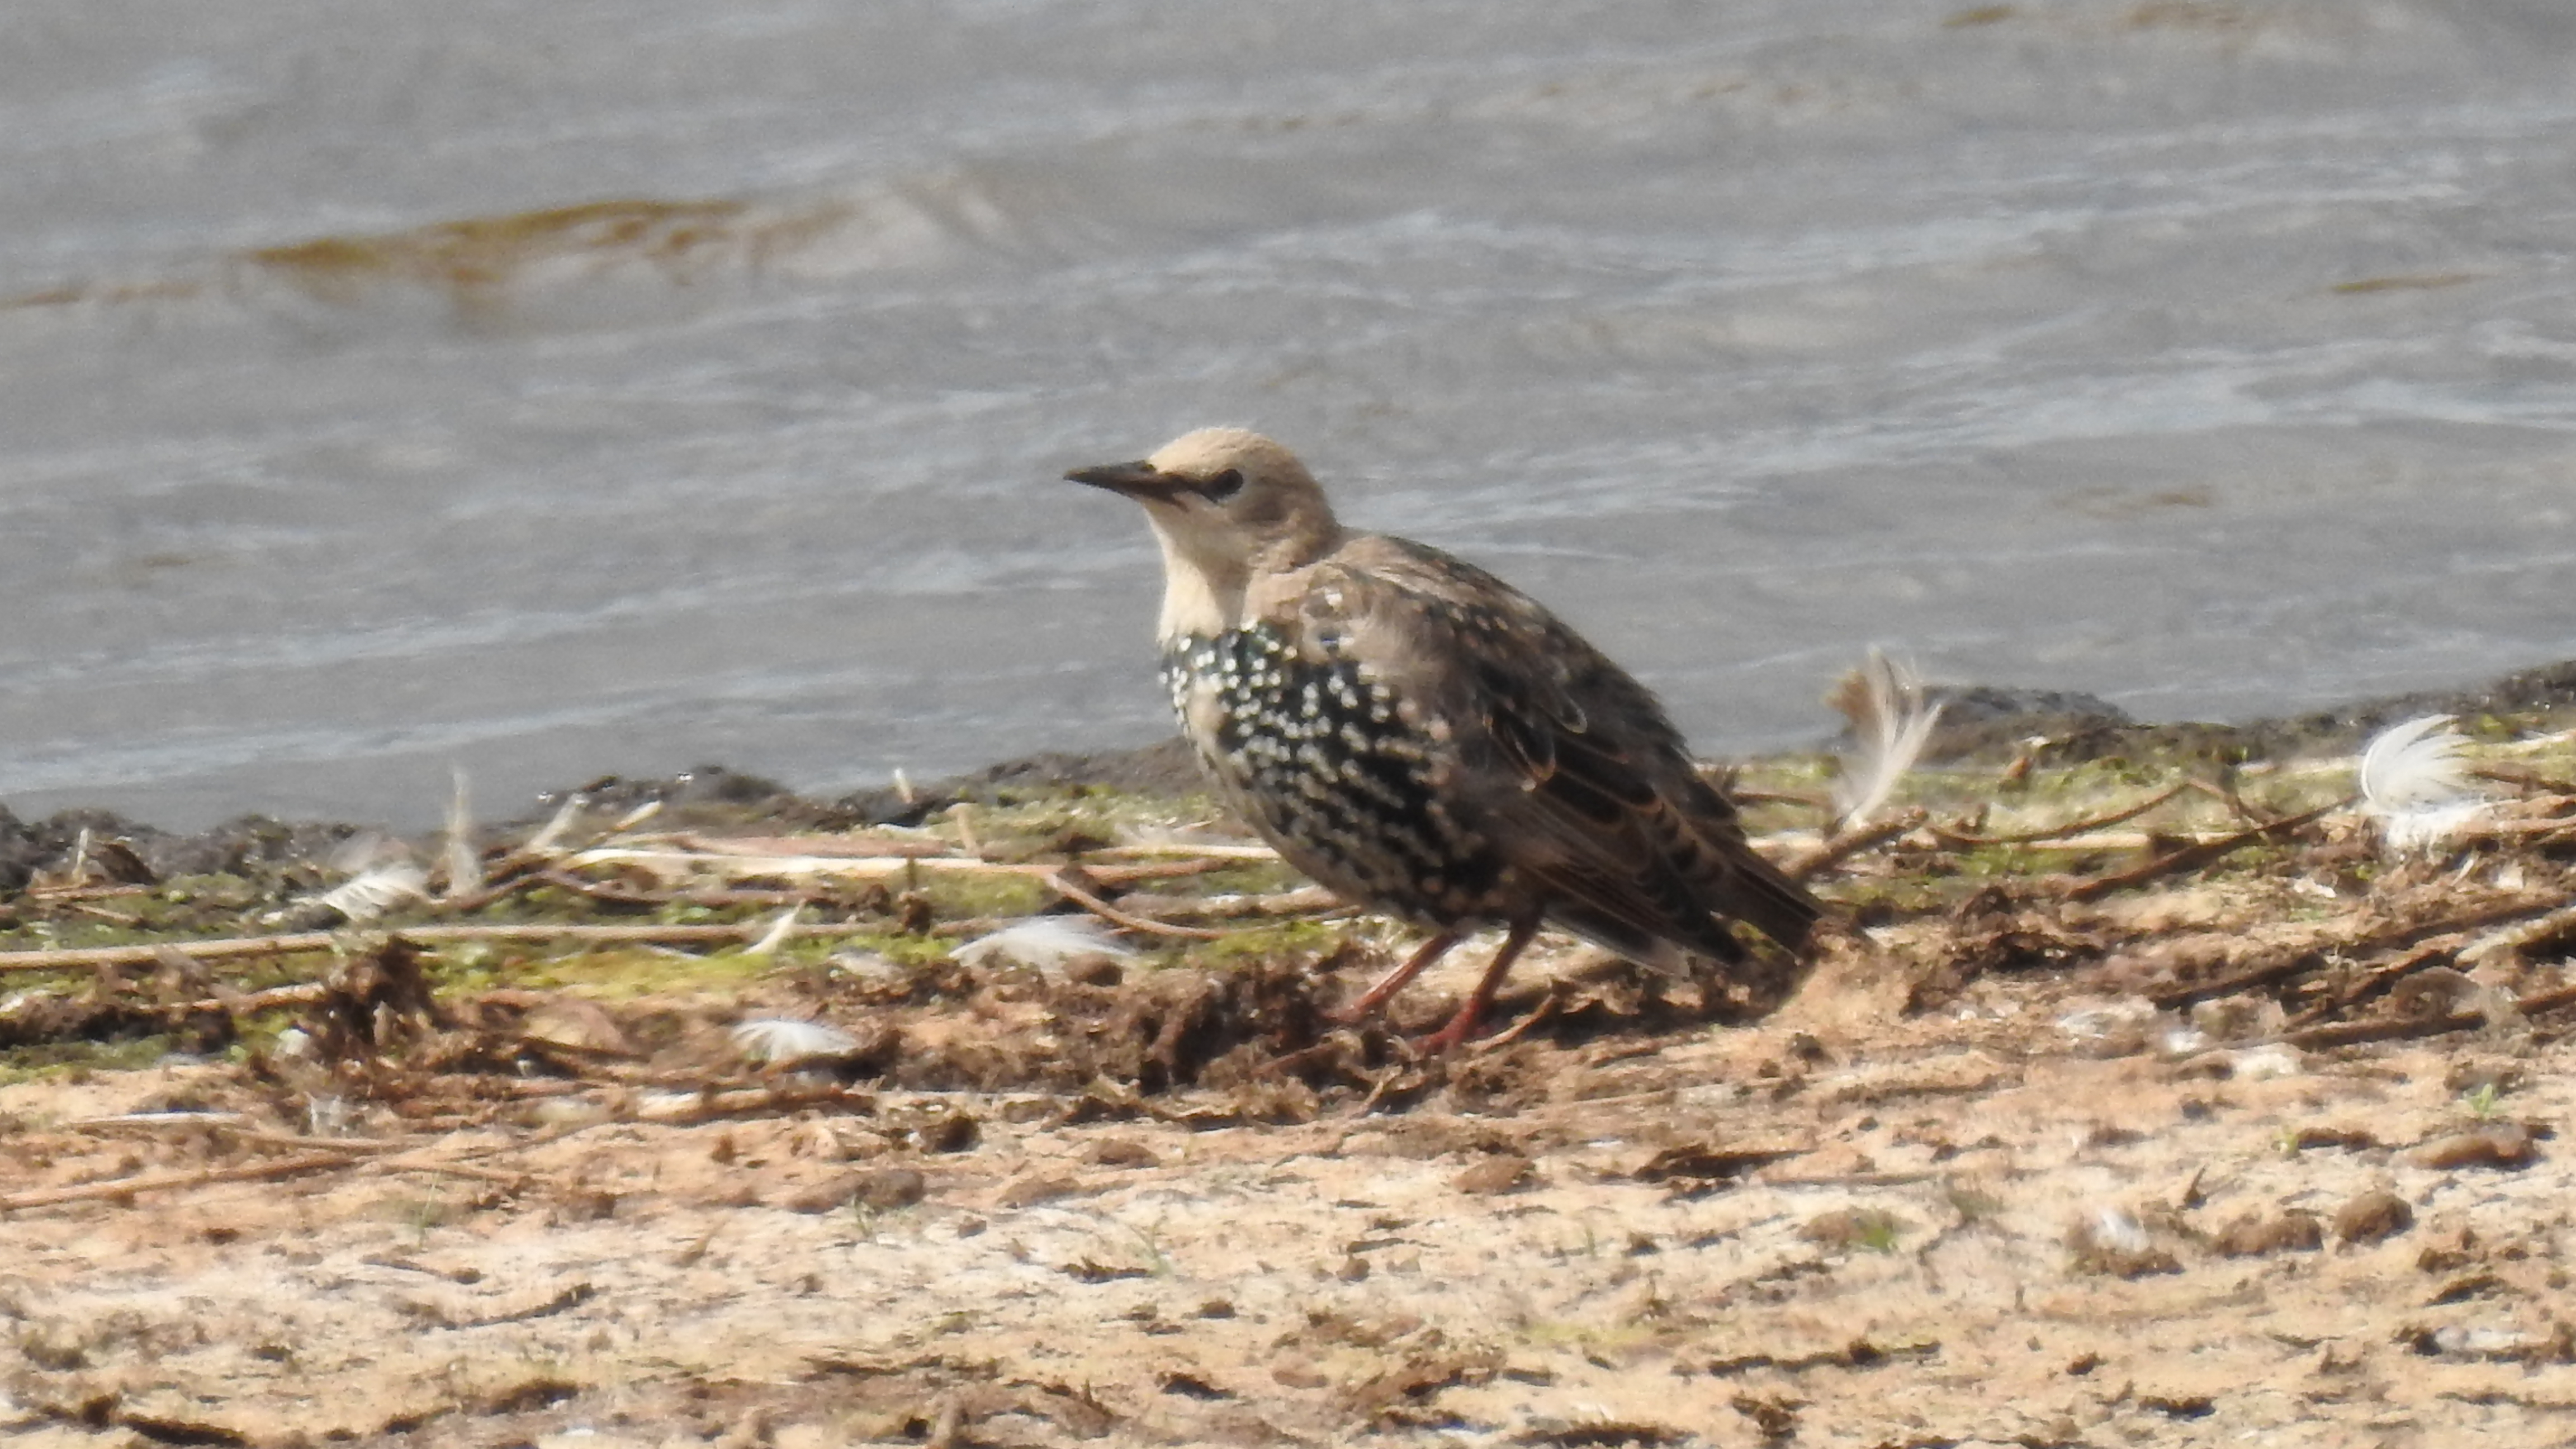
[(2415, 784)]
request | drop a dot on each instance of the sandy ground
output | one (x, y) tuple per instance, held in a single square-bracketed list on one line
[(2117, 1108), (2028, 1217)]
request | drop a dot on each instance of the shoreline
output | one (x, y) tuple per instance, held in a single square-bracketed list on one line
[(1980, 725)]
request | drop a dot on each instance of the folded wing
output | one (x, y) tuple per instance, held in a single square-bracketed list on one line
[(1555, 754)]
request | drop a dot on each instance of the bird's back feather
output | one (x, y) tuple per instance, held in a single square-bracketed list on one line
[(1546, 749)]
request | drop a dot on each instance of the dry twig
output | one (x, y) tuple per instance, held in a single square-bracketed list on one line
[(2198, 854), (240, 947), (1060, 880), (168, 1181), (1846, 844), (2059, 832)]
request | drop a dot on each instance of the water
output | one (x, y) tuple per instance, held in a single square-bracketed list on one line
[(553, 389)]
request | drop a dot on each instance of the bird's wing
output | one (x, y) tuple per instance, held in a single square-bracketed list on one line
[(1552, 751)]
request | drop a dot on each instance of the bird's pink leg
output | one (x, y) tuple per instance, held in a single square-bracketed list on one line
[(1393, 982), (1463, 1025)]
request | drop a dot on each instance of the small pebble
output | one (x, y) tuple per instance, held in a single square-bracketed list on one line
[(829, 1195), (1095, 970), (2372, 1216), (1031, 1190), (951, 1132), (2502, 1144), (1124, 1152), (1297, 1374), (1501, 1172), (2256, 1233), (888, 1187), (2265, 1063)]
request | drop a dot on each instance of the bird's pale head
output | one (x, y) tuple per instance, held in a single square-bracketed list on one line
[(1227, 505)]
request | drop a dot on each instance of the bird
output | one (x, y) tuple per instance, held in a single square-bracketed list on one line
[(1425, 740)]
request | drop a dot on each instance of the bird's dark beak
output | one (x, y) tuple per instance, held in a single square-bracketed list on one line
[(1137, 480)]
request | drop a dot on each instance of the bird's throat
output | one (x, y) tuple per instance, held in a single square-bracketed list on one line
[(1198, 598)]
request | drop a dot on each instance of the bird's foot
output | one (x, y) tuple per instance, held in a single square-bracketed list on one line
[(1352, 1015), (1460, 1030)]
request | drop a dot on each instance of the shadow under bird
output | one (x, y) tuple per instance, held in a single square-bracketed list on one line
[(1424, 739)]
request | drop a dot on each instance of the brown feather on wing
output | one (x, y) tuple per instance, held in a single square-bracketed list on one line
[(1596, 802)]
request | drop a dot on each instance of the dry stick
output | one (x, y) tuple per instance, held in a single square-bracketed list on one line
[(841, 847), (529, 873), (1213, 852), (2061, 832), (360, 1146), (158, 1181), (713, 1103), (2234, 802), (2291, 960), (2539, 928), (730, 896), (2538, 1002), (903, 867), (333, 1155), (1303, 901), (2353, 1033), (365, 1151), (61, 958), (499, 1176), (1808, 798), (856, 867), (1061, 882), (2541, 831), (241, 1002), (1845, 844), (2540, 784), (236, 947), (2437, 952), (48, 895), (2286, 964), (1162, 870), (2199, 854)]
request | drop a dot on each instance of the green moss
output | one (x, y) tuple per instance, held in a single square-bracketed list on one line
[(613, 973), (1263, 942), (899, 948), (958, 893), (59, 1059), (1902, 895), (1595, 1338)]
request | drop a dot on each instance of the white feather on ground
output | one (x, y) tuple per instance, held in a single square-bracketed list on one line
[(464, 862), (776, 936), (1890, 725), (781, 1039), (555, 829), (371, 893), (365, 851), (1044, 942), (2415, 784)]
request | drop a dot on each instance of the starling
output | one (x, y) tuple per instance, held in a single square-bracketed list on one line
[(1422, 738)]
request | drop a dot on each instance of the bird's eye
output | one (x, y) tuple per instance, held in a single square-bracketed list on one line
[(1223, 486)]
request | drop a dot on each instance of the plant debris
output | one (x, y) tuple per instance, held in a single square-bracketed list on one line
[(955, 1115)]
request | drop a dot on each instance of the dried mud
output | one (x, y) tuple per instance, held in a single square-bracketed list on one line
[(2088, 1125)]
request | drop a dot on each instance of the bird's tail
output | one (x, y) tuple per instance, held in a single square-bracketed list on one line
[(1760, 895)]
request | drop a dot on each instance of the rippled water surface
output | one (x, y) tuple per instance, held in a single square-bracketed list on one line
[(560, 388)]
